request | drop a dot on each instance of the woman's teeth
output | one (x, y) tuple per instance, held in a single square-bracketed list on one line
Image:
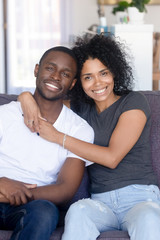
[(100, 91)]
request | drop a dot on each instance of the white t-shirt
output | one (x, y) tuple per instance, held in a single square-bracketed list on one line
[(27, 157)]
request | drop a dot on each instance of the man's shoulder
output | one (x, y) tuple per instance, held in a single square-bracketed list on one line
[(11, 107), (74, 117), (74, 121), (12, 104)]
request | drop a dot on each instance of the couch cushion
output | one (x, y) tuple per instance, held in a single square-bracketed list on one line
[(6, 98), (153, 98)]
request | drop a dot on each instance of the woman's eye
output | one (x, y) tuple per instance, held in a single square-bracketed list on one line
[(87, 78), (104, 73)]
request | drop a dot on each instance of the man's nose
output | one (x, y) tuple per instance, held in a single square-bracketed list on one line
[(56, 76)]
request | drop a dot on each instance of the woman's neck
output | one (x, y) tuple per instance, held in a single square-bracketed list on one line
[(102, 105)]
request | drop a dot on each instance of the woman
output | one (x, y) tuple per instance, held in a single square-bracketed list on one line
[(124, 192)]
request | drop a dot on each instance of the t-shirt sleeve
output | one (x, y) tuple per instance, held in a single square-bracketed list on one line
[(136, 100), (85, 133)]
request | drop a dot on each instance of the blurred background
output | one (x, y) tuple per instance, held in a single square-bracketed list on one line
[(29, 27)]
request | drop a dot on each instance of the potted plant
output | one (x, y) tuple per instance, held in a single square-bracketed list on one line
[(136, 11), (139, 4), (120, 7), (120, 11)]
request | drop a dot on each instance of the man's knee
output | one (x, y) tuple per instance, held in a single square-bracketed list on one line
[(45, 212)]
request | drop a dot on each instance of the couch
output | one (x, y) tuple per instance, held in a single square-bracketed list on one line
[(154, 102)]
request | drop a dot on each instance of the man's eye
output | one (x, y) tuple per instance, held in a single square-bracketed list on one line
[(50, 68), (66, 75)]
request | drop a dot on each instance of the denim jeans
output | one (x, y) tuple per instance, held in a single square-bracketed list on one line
[(35, 220), (135, 208)]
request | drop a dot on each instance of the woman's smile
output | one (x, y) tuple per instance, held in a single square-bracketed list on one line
[(100, 91)]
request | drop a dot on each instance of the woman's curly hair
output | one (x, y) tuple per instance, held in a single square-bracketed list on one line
[(112, 54)]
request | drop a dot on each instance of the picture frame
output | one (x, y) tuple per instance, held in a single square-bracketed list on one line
[(113, 2)]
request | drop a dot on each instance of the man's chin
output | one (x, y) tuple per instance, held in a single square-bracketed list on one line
[(51, 97)]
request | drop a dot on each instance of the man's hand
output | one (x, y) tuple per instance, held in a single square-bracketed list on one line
[(15, 192), (3, 199)]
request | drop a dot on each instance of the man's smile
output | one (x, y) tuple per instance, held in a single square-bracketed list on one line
[(53, 86)]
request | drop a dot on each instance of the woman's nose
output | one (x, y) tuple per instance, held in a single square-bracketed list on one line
[(96, 80)]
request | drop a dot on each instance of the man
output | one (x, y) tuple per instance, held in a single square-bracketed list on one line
[(35, 174)]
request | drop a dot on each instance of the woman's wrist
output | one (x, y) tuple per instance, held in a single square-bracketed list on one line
[(58, 138), (61, 139), (64, 140)]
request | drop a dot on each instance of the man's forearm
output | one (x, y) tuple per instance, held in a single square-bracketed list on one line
[(53, 193)]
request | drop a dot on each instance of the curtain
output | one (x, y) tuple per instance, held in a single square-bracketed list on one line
[(33, 26)]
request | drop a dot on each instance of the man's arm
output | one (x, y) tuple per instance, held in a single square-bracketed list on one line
[(68, 181), (15, 192)]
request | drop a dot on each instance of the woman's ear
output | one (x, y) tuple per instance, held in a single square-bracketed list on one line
[(36, 70), (73, 83)]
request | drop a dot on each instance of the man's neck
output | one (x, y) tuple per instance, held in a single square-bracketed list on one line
[(50, 110)]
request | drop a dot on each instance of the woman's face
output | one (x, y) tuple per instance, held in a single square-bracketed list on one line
[(97, 81)]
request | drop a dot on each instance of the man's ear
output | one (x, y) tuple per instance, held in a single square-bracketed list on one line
[(73, 83), (36, 70)]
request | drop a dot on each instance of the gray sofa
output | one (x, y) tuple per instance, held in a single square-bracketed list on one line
[(154, 102)]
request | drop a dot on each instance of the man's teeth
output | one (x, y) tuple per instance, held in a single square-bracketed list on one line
[(51, 85), (100, 91)]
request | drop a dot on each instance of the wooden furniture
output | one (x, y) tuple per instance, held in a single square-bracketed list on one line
[(156, 61)]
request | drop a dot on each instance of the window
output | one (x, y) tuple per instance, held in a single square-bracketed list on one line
[(33, 26)]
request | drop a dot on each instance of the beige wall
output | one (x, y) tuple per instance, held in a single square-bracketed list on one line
[(85, 14)]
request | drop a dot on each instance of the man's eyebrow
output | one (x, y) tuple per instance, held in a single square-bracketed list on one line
[(53, 64)]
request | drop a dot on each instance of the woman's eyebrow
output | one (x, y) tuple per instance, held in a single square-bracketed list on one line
[(86, 74), (104, 69), (92, 73)]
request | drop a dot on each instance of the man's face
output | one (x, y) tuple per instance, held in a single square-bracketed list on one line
[(55, 75)]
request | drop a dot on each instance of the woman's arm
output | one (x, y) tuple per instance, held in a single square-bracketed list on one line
[(31, 110), (124, 137)]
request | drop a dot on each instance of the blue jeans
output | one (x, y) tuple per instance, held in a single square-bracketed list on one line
[(135, 208), (34, 220)]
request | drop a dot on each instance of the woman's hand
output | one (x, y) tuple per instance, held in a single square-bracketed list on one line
[(48, 132), (30, 110)]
